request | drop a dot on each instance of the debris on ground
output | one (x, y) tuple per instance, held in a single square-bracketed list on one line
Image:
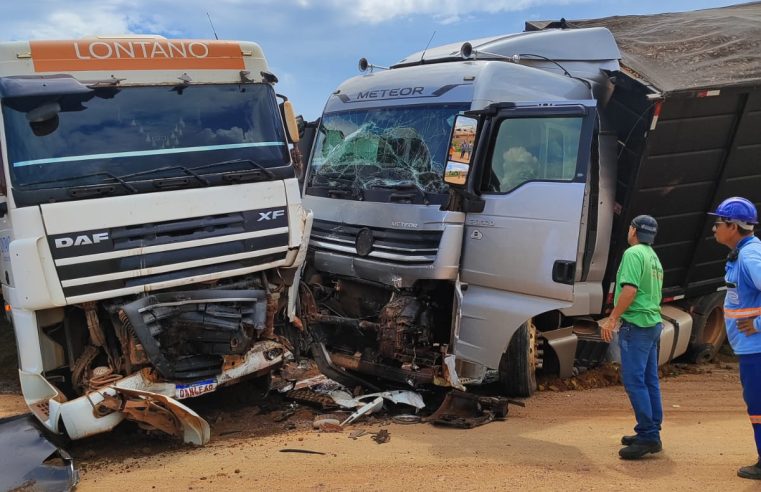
[(407, 418), (285, 414), (309, 397), (367, 409), (302, 451), (328, 422), (466, 410), (382, 436), (403, 397), (357, 434)]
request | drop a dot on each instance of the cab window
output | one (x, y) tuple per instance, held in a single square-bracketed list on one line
[(533, 149)]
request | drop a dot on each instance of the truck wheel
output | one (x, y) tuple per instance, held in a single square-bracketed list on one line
[(709, 328), (517, 369)]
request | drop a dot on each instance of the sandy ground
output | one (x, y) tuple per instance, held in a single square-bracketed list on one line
[(562, 440)]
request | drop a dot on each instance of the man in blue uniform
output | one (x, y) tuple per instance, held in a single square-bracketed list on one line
[(735, 219)]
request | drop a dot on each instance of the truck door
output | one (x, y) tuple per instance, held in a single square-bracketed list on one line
[(519, 253)]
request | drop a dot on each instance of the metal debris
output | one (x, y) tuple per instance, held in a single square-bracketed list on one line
[(407, 418), (285, 414), (410, 398), (310, 397), (382, 436), (466, 410), (357, 434)]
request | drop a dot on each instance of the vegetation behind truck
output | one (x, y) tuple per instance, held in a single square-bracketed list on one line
[(153, 230), (434, 260)]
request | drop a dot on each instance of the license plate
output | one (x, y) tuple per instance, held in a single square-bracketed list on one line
[(195, 389)]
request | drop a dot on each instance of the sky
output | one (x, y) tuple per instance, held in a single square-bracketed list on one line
[(313, 45)]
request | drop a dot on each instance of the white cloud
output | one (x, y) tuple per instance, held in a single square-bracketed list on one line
[(444, 11), (66, 24)]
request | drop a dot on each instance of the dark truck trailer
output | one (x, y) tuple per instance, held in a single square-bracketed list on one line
[(687, 114)]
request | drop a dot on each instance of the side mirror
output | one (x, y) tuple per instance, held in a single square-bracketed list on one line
[(291, 124), (461, 145)]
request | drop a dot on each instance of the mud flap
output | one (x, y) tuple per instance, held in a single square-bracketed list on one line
[(25, 458), (153, 411)]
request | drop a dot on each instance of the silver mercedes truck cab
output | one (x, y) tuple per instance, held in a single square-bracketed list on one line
[(471, 206)]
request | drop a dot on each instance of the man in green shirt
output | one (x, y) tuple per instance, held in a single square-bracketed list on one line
[(637, 301)]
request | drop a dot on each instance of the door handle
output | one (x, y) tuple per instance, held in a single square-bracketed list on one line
[(564, 272)]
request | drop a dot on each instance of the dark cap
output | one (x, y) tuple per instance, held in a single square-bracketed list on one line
[(646, 227)]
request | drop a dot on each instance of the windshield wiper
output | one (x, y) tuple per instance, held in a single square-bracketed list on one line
[(118, 179), (172, 181), (254, 174), (409, 185), (338, 185)]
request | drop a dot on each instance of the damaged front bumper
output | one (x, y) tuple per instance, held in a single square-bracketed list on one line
[(142, 398)]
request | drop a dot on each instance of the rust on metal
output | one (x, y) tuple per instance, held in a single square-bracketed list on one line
[(146, 413), (101, 377), (306, 395), (272, 303), (466, 410)]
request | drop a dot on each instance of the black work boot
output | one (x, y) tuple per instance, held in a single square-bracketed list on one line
[(752, 472), (629, 440), (638, 449)]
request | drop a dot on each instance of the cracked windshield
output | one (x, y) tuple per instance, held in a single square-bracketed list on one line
[(388, 148)]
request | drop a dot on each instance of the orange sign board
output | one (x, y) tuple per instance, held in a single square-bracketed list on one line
[(135, 54)]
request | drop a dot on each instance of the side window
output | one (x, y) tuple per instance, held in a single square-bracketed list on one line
[(533, 149)]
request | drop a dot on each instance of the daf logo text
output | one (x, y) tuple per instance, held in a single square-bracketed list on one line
[(66, 242)]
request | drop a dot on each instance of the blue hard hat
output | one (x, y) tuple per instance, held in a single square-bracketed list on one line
[(737, 208)]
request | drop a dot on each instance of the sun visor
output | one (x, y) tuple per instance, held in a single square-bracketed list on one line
[(41, 86)]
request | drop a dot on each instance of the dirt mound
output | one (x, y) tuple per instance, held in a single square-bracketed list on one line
[(610, 375)]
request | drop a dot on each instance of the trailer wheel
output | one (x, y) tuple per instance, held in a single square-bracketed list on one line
[(517, 368), (709, 328)]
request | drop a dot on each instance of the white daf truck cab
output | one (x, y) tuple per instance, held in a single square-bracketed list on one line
[(152, 229)]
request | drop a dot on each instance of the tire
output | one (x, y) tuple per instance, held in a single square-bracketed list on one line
[(517, 369), (708, 327)]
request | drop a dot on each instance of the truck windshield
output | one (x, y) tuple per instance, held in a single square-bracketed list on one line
[(383, 148), (140, 135)]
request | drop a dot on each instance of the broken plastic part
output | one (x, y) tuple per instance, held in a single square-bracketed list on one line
[(367, 409), (25, 462)]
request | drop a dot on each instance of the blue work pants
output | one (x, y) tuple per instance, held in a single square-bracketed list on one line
[(750, 377), (639, 373)]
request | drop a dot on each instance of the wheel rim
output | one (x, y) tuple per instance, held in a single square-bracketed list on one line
[(532, 345), (713, 331)]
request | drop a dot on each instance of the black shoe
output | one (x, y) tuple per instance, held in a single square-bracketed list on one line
[(638, 449), (629, 440), (752, 472)]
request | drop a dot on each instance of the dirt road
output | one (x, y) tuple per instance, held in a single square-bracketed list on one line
[(561, 440)]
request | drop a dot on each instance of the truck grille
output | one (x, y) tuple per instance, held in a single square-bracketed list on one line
[(410, 247), (95, 261)]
